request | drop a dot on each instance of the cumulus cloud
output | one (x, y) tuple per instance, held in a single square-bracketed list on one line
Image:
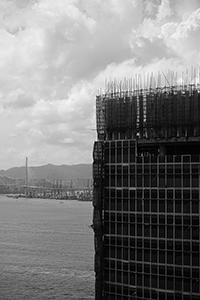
[(164, 10), (55, 56)]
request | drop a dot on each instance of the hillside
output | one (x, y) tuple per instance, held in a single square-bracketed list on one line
[(51, 172), (6, 180)]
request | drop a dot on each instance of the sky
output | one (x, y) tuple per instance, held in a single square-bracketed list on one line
[(56, 55)]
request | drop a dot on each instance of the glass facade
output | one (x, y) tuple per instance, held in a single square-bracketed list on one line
[(150, 220)]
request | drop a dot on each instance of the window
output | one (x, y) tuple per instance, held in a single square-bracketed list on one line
[(153, 205), (186, 285), (178, 232), (147, 280), (112, 155), (119, 204), (132, 180), (195, 285), (146, 205), (146, 268), (186, 206), (169, 257), (169, 220), (139, 279), (195, 247), (139, 230), (132, 204), (132, 229), (178, 182), (119, 228), (161, 256), (186, 180), (178, 168), (170, 283), (169, 206), (186, 232), (154, 256), (162, 282), (161, 206), (139, 180), (186, 258), (132, 254), (119, 277), (146, 255), (139, 204), (125, 229), (195, 206), (154, 244), (125, 155), (125, 180), (178, 284), (154, 281), (161, 231), (146, 180), (154, 230), (178, 258), (170, 296), (195, 180), (169, 231), (125, 204), (186, 272), (132, 278), (125, 277), (161, 180), (195, 232), (161, 245), (147, 230), (162, 194), (195, 259), (170, 181), (119, 181)]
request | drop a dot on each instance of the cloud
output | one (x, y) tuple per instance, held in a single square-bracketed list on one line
[(164, 10), (56, 55)]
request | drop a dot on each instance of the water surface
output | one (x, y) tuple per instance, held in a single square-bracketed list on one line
[(46, 249)]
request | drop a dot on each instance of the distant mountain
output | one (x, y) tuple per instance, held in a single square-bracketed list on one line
[(6, 180), (51, 172)]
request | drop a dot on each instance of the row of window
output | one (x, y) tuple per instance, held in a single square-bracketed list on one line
[(161, 231), (151, 193), (151, 169), (132, 217), (153, 256), (155, 180), (115, 152), (185, 206), (187, 246), (162, 282), (127, 156), (192, 273), (119, 292)]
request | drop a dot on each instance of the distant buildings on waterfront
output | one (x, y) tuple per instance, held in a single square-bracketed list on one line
[(78, 183), (13, 185)]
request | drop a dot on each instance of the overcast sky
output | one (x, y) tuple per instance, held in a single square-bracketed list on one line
[(56, 54)]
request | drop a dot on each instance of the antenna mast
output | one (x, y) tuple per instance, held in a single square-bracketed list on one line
[(26, 182)]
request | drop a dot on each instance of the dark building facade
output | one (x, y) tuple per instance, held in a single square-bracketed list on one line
[(146, 171)]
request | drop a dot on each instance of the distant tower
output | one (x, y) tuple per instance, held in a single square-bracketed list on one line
[(26, 179)]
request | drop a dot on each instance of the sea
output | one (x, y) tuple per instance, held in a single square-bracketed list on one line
[(46, 249)]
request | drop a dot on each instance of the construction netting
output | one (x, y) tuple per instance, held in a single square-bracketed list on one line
[(153, 113)]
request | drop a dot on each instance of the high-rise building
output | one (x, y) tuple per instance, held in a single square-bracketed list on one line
[(146, 171)]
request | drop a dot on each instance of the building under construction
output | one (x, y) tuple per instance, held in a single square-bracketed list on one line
[(146, 171)]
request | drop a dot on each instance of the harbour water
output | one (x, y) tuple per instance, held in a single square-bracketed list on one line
[(46, 249)]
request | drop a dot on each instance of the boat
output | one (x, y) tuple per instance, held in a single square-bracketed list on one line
[(13, 196)]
